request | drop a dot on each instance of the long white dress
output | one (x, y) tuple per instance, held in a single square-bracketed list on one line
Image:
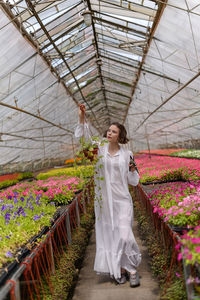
[(116, 246)]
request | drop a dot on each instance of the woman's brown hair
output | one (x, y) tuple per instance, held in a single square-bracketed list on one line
[(122, 133)]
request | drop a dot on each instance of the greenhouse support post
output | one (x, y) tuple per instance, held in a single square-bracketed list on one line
[(77, 212), (69, 237)]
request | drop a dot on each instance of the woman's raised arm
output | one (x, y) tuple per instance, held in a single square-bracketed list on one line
[(82, 128), (81, 113)]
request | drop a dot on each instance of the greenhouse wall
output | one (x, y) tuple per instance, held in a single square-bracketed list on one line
[(190, 144), (34, 165)]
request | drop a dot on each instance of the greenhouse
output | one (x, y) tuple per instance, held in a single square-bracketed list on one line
[(99, 149)]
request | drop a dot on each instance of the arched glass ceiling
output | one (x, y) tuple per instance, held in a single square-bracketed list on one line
[(165, 108), (136, 63)]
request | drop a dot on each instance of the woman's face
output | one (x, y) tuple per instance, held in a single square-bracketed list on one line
[(113, 134)]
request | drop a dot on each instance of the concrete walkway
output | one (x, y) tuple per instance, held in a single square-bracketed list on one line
[(94, 287)]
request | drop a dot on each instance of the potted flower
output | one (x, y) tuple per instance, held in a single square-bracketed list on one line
[(89, 150)]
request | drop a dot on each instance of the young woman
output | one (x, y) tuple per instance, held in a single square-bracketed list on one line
[(117, 252)]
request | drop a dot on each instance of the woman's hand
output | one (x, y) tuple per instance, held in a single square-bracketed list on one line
[(81, 113), (132, 167)]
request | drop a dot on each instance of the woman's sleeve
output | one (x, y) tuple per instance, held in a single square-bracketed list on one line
[(82, 130), (133, 177)]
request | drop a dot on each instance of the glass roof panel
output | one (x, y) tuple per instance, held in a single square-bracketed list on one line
[(132, 54)]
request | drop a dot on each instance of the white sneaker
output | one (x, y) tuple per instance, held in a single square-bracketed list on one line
[(134, 279)]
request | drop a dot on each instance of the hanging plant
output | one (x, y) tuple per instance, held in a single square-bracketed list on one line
[(89, 150)]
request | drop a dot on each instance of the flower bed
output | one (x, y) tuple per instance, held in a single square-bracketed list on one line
[(188, 153), (160, 246), (72, 161), (26, 208), (178, 203), (191, 153), (162, 169), (80, 171), (191, 246), (11, 179), (161, 151)]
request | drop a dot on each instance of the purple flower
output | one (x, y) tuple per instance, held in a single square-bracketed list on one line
[(6, 236), (8, 254), (10, 206), (22, 199), (15, 200), (4, 207), (20, 211), (7, 216), (36, 217), (31, 207)]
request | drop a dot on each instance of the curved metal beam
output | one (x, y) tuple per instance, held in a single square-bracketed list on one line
[(31, 7), (169, 98), (6, 8), (35, 116), (153, 29), (98, 57)]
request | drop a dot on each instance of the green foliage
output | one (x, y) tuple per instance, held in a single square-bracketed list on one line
[(8, 183), (66, 274), (166, 175), (159, 262), (25, 175), (77, 171), (21, 176), (176, 291), (191, 153), (23, 227)]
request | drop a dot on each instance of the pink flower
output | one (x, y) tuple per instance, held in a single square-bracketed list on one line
[(178, 246), (189, 256), (180, 256), (195, 240), (188, 213), (197, 249)]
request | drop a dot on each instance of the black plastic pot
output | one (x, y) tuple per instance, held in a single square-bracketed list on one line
[(179, 229), (11, 268), (158, 182), (78, 192)]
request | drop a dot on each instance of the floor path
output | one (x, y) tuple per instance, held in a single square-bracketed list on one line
[(93, 287)]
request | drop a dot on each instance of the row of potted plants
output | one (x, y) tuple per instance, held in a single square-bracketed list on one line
[(159, 261), (162, 168), (28, 207), (178, 203), (78, 171), (188, 153), (161, 151), (11, 179), (179, 206)]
